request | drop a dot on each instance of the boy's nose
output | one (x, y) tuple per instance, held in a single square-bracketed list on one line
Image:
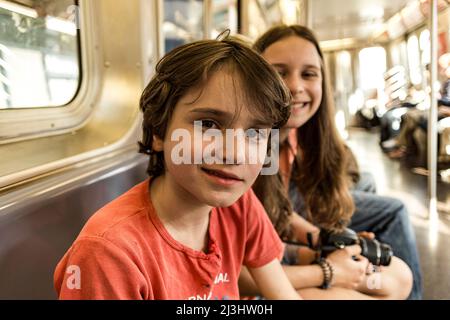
[(235, 148)]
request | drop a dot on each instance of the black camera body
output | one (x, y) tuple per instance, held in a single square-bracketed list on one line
[(376, 252)]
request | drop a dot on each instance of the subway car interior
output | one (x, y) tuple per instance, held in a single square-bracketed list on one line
[(71, 76)]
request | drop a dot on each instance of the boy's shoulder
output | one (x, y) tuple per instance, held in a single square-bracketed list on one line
[(129, 211)]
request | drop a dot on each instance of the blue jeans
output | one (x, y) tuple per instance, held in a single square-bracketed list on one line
[(388, 219), (366, 183)]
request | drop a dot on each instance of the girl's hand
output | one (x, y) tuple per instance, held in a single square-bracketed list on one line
[(306, 256), (301, 227), (367, 235), (349, 267)]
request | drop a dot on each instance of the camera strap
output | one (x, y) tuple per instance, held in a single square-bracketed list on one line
[(309, 238)]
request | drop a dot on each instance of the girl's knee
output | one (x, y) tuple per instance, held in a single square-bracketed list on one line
[(403, 278)]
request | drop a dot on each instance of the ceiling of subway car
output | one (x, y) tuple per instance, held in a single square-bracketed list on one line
[(359, 19)]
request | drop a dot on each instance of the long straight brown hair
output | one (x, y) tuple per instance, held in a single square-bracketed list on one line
[(321, 159)]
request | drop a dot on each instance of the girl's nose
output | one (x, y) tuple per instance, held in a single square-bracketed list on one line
[(295, 85)]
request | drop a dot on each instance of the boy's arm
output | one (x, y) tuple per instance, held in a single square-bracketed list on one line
[(247, 287), (299, 276), (273, 282)]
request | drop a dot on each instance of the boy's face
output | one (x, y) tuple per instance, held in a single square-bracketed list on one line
[(214, 172)]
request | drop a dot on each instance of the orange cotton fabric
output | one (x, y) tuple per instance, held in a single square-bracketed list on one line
[(124, 252)]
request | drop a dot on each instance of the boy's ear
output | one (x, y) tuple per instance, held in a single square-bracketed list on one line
[(157, 144)]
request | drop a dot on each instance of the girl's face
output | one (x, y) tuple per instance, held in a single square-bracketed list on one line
[(201, 180), (298, 63)]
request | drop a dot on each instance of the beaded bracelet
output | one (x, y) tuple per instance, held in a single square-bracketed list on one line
[(327, 270)]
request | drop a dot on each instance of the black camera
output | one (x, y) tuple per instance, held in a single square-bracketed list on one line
[(376, 252)]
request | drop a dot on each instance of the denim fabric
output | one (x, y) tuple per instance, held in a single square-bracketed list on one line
[(388, 219), (366, 183)]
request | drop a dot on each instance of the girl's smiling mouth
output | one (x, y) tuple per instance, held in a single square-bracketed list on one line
[(299, 104)]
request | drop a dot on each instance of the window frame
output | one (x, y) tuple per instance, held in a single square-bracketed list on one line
[(19, 124), (112, 82)]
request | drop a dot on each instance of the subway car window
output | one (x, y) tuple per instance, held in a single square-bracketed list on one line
[(394, 54), (344, 85), (263, 14), (258, 21), (404, 53), (414, 60), (271, 9), (39, 53), (372, 62), (224, 16), (183, 22), (424, 42)]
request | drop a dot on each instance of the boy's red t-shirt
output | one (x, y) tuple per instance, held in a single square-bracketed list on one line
[(124, 252)]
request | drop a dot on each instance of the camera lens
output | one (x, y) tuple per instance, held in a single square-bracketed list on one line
[(386, 254), (377, 253)]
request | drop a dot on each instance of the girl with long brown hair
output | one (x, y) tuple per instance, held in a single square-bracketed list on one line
[(314, 161)]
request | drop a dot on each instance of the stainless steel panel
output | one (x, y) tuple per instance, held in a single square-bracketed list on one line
[(36, 232)]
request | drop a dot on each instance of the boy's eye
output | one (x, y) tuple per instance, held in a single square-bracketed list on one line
[(255, 134), (209, 124)]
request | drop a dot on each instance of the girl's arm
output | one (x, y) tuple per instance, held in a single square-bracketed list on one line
[(348, 273), (301, 227), (273, 282)]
